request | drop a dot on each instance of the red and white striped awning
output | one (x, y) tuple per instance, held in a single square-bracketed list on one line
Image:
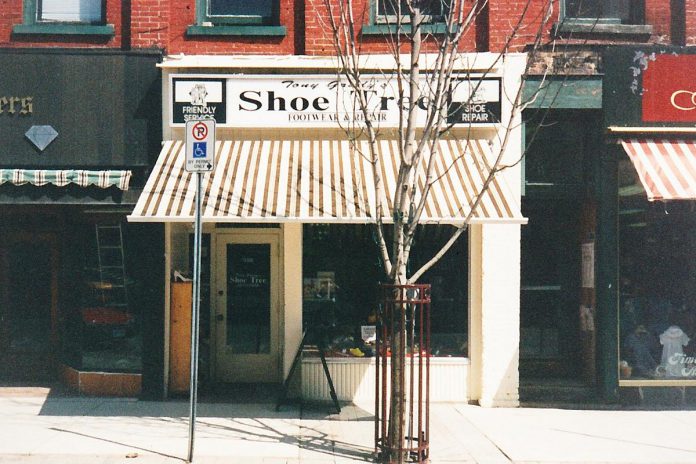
[(318, 181), (666, 168)]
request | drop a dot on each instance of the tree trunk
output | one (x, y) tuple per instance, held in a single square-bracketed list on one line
[(397, 412)]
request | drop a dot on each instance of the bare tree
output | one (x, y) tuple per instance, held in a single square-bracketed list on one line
[(426, 68)]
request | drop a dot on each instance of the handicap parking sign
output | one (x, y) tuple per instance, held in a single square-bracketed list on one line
[(200, 145), (199, 149)]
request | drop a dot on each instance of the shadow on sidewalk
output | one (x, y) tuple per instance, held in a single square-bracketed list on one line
[(309, 438)]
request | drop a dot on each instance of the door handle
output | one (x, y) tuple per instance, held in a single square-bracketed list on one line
[(219, 318)]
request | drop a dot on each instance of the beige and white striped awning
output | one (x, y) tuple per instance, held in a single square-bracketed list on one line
[(317, 181)]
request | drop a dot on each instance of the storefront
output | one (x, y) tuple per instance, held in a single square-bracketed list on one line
[(287, 241), (563, 309), (650, 118), (78, 284)]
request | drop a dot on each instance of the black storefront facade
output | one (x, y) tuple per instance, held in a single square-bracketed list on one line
[(651, 137), (607, 257), (80, 295)]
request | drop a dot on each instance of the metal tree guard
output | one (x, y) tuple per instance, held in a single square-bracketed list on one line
[(405, 313)]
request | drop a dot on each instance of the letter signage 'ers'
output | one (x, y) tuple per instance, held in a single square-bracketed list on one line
[(200, 145)]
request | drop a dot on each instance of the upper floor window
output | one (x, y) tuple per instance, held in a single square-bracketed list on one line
[(70, 17), (240, 11), (433, 11), (237, 17), (604, 11), (70, 11)]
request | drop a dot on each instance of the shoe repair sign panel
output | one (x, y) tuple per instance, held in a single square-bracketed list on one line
[(325, 101)]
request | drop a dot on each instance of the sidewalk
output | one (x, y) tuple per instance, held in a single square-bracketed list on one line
[(37, 427)]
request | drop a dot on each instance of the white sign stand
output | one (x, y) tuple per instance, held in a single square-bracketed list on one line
[(200, 158)]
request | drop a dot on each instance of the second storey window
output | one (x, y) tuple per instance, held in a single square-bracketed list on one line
[(604, 11), (433, 11), (70, 11), (241, 11)]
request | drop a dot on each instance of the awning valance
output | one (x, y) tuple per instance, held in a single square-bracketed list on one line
[(63, 177), (317, 181), (666, 168)]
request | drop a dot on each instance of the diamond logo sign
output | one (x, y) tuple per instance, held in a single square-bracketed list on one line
[(41, 136)]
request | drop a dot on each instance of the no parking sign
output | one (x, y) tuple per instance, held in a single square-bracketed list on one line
[(200, 145)]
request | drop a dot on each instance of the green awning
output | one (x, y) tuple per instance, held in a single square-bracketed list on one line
[(63, 177)]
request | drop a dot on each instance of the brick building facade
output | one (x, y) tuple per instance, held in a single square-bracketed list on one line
[(506, 338)]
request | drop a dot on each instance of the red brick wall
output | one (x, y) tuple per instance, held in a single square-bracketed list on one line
[(658, 14), (149, 24), (512, 24), (690, 17), (163, 24)]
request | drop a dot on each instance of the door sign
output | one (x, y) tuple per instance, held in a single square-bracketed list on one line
[(200, 145)]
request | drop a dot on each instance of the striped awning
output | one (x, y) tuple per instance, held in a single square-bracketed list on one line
[(666, 168), (317, 181), (61, 178)]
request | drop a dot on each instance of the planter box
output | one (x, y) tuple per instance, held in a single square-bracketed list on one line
[(354, 379)]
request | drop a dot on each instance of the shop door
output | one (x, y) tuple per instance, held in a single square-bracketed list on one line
[(27, 316), (549, 331), (247, 309)]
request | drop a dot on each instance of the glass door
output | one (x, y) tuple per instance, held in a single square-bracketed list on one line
[(247, 310)]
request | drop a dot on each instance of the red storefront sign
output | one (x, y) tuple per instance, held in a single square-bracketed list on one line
[(669, 89)]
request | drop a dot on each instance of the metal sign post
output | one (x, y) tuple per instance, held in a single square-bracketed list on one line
[(200, 158)]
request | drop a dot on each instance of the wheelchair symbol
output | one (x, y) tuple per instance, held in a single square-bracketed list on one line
[(199, 149)]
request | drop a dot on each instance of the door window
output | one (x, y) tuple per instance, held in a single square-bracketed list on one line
[(249, 298)]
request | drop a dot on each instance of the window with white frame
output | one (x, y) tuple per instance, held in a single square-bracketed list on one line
[(388, 11), (70, 11), (603, 11), (239, 11)]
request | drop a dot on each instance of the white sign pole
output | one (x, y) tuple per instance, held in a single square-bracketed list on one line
[(200, 158), (195, 315)]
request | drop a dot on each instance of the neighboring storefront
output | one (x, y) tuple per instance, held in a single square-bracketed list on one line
[(287, 241), (562, 307), (650, 115), (79, 286)]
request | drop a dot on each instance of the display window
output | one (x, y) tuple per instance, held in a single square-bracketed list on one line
[(341, 275), (102, 316), (657, 271)]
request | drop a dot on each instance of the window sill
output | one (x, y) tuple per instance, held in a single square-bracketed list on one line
[(274, 31), (602, 28), (382, 29), (63, 29)]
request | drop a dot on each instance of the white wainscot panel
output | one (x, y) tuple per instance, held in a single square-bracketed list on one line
[(354, 379)]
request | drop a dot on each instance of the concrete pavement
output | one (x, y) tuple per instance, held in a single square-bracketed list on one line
[(39, 427)]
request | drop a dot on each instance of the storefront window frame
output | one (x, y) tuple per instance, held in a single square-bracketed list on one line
[(620, 336)]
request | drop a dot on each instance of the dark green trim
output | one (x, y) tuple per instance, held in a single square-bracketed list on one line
[(63, 29), (607, 273), (276, 31), (580, 26), (389, 29), (29, 12), (592, 21), (202, 17), (584, 93)]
